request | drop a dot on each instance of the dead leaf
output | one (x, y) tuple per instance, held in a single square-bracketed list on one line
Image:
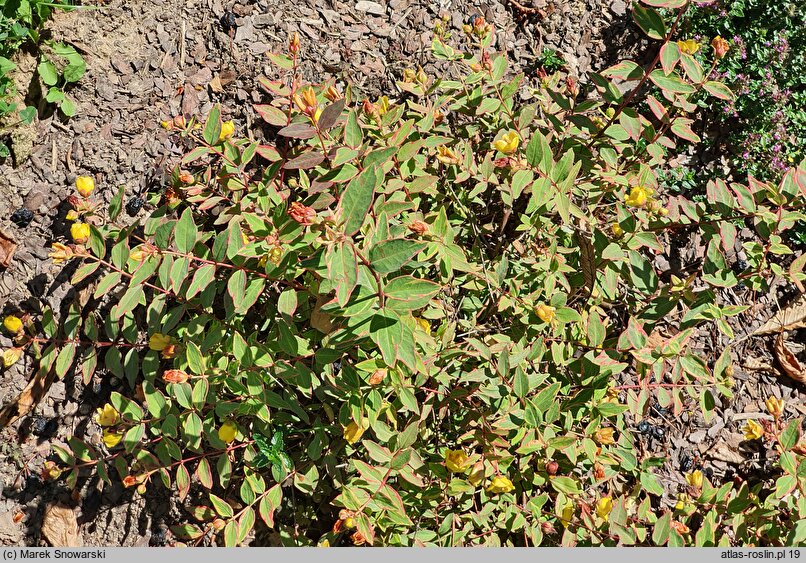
[(28, 398), (7, 247), (789, 318), (60, 527), (319, 320), (215, 84), (789, 362)]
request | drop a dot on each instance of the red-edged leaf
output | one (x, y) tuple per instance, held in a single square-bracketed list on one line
[(682, 128), (625, 70), (304, 161), (297, 131), (331, 114), (671, 4), (718, 90), (658, 109), (272, 115), (669, 55), (269, 153), (672, 83)]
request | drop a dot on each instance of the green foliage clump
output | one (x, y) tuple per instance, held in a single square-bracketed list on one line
[(766, 67), (431, 320), (21, 22)]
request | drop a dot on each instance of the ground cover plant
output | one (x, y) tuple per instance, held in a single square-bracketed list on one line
[(429, 320), (21, 23)]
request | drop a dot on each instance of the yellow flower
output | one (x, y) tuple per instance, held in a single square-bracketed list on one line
[(11, 356), (158, 341), (500, 484), (353, 432), (60, 253), (775, 406), (107, 415), (637, 197), (85, 185), (455, 460), (682, 501), (603, 507), (694, 478), (317, 114), (604, 436), (227, 130), (508, 143), (446, 155), (111, 438), (324, 543), (12, 324), (138, 255), (752, 430), (227, 431), (424, 324), (382, 105), (275, 255), (476, 474), (80, 232), (50, 471), (546, 313), (72, 215), (689, 46), (618, 232), (567, 514)]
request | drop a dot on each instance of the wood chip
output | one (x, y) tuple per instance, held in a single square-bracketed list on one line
[(789, 362), (790, 318), (60, 527), (28, 398)]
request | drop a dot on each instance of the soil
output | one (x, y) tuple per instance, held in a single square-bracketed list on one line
[(150, 60)]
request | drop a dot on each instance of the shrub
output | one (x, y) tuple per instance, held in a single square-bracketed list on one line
[(430, 320)]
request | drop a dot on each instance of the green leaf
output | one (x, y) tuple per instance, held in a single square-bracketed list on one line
[(357, 199), (789, 437), (65, 359), (391, 255), (660, 534), (353, 136), (386, 331), (212, 128), (343, 271), (565, 485), (672, 83), (48, 73), (68, 107), (407, 293), (186, 232), (116, 204), (650, 21), (719, 90)]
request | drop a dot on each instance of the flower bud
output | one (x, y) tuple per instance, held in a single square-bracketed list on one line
[(85, 185), (293, 43), (721, 47), (552, 467), (12, 324), (80, 232)]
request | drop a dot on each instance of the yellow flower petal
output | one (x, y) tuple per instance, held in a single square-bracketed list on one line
[(694, 478), (455, 461), (603, 507), (11, 356), (227, 432), (546, 313), (637, 197), (227, 130), (158, 341), (112, 439), (753, 430), (500, 484), (508, 143), (107, 415), (353, 433)]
